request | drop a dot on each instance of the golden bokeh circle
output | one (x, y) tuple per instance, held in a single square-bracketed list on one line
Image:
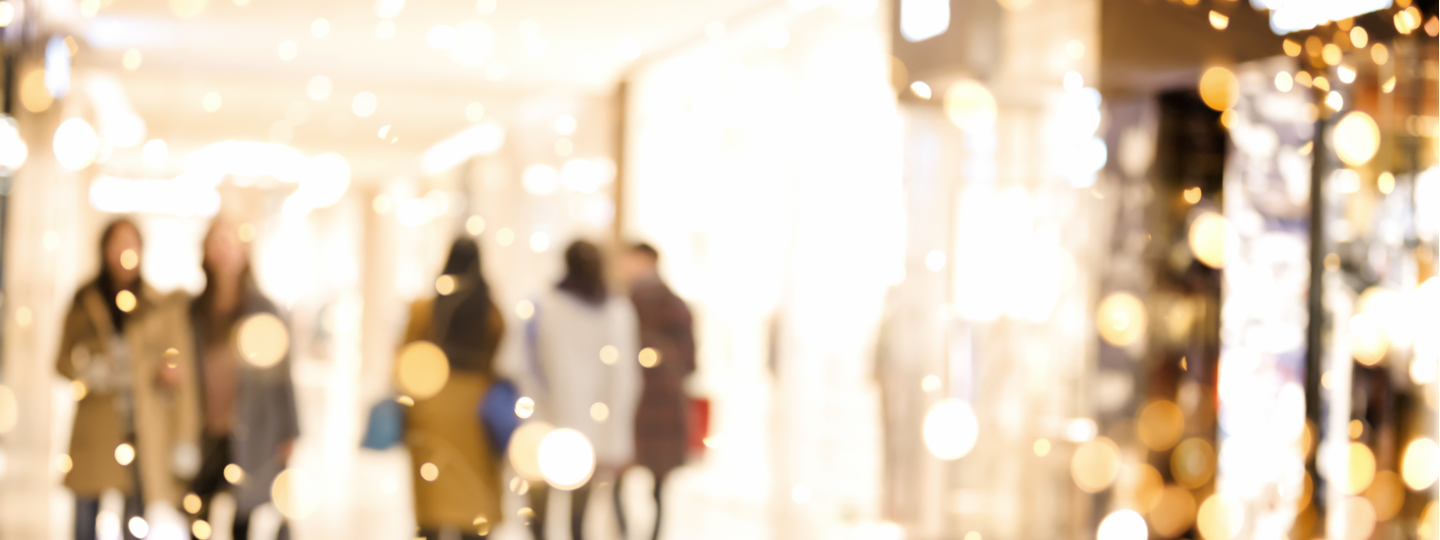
[(1357, 138), (567, 459), (1140, 487), (33, 94), (609, 354), (1386, 494), (124, 454), (1429, 527), (445, 284), (1121, 319), (125, 300), (129, 259), (1220, 517), (1418, 466), (234, 474), (1207, 239), (1174, 512), (1161, 425), (293, 495), (950, 429), (1095, 464), (1360, 518), (970, 106), (1219, 88), (1192, 463), (649, 357), (525, 449), (192, 503), (201, 529), (262, 340), (422, 370), (429, 472), (1368, 342), (1361, 469)]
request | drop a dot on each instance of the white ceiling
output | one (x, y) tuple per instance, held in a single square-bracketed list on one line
[(233, 50)]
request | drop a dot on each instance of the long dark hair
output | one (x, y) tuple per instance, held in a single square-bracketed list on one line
[(584, 273), (462, 317), (105, 280), (218, 327)]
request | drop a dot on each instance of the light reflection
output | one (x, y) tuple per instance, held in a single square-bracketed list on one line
[(950, 429), (1095, 464)]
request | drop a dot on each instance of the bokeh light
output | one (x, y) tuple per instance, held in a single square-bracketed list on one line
[(649, 357), (293, 495), (1220, 517), (422, 370), (1357, 138), (525, 449), (1095, 464), (1386, 494), (429, 472), (1207, 239), (1219, 88), (125, 300), (234, 474), (1418, 466), (1368, 343), (1161, 425), (262, 340), (1192, 463), (1174, 512), (1121, 319), (950, 429), (970, 106), (1123, 525), (1361, 467), (566, 459), (124, 454), (75, 144), (1359, 518), (1140, 487)]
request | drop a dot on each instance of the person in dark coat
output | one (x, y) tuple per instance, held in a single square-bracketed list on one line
[(662, 419), (248, 408)]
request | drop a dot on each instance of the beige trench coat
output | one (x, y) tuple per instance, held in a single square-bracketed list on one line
[(157, 333)]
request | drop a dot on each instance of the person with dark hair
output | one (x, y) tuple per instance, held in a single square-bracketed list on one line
[(662, 420), (250, 421), (585, 345), (127, 350), (463, 499)]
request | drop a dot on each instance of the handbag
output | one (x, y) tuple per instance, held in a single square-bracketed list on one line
[(497, 414), (386, 426)]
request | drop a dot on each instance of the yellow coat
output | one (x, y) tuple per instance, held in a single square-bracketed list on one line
[(445, 430), (157, 333)]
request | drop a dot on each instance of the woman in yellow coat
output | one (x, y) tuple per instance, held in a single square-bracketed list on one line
[(127, 349), (456, 469)]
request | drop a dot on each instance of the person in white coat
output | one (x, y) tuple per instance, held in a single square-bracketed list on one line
[(585, 345)]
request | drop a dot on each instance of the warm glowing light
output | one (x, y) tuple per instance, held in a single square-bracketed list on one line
[(1041, 447), (540, 179), (1361, 468), (1220, 517), (191, 503), (234, 474), (292, 495), (920, 89), (1140, 487), (1095, 464), (1284, 81), (137, 525), (1207, 239), (422, 370), (1191, 195), (79, 390), (1192, 463), (33, 94), (288, 50), (628, 49), (201, 529), (1123, 525), (1357, 138), (1219, 88), (950, 429), (1346, 74), (475, 225), (923, 19), (1359, 37), (1219, 20), (1121, 319), (1321, 82), (476, 140), (930, 383), (318, 87), (524, 309), (429, 471), (13, 150), (1359, 519), (1386, 494), (649, 357), (599, 412), (1368, 342), (1174, 512), (444, 285), (1418, 466), (7, 14), (1330, 54), (1385, 182), (1161, 425), (1333, 100), (1292, 48), (363, 104), (566, 459), (970, 106), (524, 407), (154, 153), (124, 454), (1380, 54), (1357, 428), (539, 242), (129, 259), (262, 340), (75, 144), (125, 300), (525, 449)]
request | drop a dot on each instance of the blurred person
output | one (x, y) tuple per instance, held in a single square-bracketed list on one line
[(445, 429), (249, 411), (585, 347), (662, 419), (127, 349)]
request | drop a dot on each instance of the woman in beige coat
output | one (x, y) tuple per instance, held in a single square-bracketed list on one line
[(127, 350), (456, 469)]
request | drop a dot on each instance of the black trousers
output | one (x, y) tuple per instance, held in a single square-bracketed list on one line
[(620, 506), (215, 455)]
